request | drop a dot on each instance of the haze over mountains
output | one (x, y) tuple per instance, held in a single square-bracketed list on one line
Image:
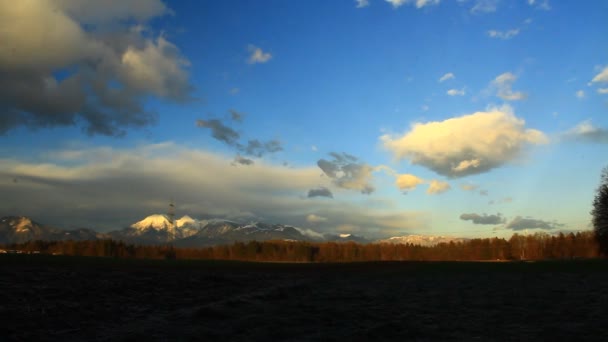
[(190, 232)]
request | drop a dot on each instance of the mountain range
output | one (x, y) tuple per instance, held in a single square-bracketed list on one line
[(189, 232)]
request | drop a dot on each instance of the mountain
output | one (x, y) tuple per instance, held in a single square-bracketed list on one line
[(19, 229), (345, 238), (157, 229), (422, 240)]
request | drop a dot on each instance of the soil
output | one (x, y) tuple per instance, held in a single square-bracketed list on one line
[(73, 299)]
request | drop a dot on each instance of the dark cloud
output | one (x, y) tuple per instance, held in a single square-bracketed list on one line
[(93, 76), (242, 160), (483, 219), (257, 148), (220, 131), (236, 116), (347, 172), (520, 223), (320, 192)]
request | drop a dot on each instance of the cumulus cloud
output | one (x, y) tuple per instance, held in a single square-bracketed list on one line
[(470, 144), (447, 76), (503, 84), (456, 92), (106, 188), (602, 77), (347, 172), (580, 94), (417, 3), (219, 131), (312, 218), (484, 6), (362, 3), (520, 223), (503, 34), (483, 219), (320, 192), (437, 187), (257, 55), (407, 182), (110, 59), (587, 132)]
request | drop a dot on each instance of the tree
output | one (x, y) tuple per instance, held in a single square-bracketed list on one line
[(600, 213)]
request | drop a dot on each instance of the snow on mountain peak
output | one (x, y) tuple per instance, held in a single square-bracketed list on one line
[(345, 235), (156, 222), (184, 220), (24, 224)]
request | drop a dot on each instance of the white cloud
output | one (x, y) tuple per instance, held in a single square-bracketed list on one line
[(312, 218), (257, 55), (503, 34), (580, 94), (470, 144), (485, 6), (456, 92), (314, 148), (407, 182), (446, 77), (503, 84), (417, 3), (543, 5), (424, 108), (602, 90), (362, 3), (602, 77), (437, 187)]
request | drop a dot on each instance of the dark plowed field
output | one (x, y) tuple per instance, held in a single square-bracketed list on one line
[(68, 299)]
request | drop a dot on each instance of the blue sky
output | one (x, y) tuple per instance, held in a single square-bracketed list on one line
[(380, 118)]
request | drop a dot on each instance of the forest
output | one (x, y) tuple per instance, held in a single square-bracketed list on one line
[(539, 246)]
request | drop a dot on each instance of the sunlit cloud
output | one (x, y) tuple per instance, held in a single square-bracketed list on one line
[(580, 94), (417, 3), (602, 90), (601, 77), (312, 218), (456, 92), (587, 132), (257, 55), (348, 172), (437, 187), (362, 3), (99, 46), (503, 84), (408, 182), (503, 34), (476, 143)]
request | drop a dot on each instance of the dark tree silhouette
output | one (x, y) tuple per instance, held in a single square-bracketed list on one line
[(600, 213)]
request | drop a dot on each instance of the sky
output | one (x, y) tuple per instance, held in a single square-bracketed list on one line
[(468, 118)]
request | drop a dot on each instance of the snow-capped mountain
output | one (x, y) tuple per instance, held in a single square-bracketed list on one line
[(158, 228), (345, 238), (422, 240), (19, 229)]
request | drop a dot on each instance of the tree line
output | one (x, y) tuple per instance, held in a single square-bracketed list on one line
[(539, 246)]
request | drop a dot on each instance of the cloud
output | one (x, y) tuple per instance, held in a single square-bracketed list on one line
[(602, 90), (503, 34), (407, 182), (483, 219), (109, 59), (543, 5), (257, 55), (580, 94), (243, 161), (602, 77), (362, 3), (312, 218), (314, 148), (219, 131), (347, 172), (483, 192), (456, 92), (236, 116), (469, 187), (446, 77), (484, 6), (466, 145), (503, 84), (520, 223), (437, 187), (587, 132), (502, 200), (320, 192), (234, 91), (417, 3), (257, 148), (106, 188)]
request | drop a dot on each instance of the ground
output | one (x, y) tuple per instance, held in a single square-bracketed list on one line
[(66, 299)]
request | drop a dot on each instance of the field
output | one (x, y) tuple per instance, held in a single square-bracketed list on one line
[(104, 299)]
